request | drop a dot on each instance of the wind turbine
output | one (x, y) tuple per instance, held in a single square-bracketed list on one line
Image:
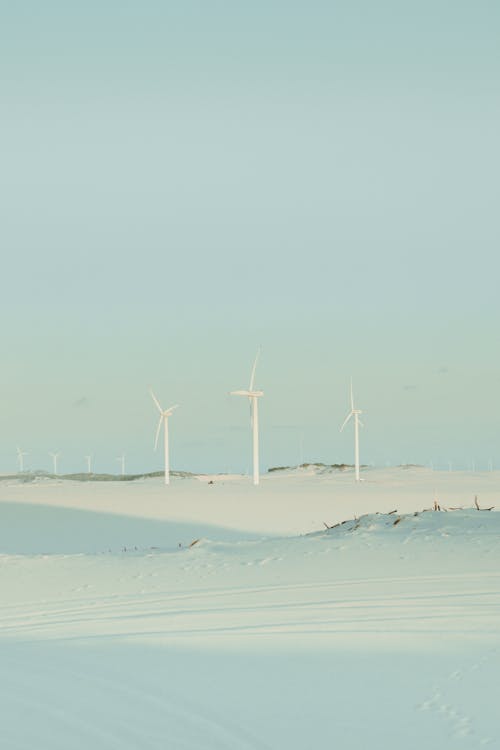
[(357, 422), (55, 456), (122, 461), (164, 415), (20, 457), (253, 397), (89, 464)]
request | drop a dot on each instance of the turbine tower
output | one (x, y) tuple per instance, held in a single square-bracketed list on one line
[(89, 464), (55, 456), (164, 415), (253, 397), (121, 459), (20, 457), (357, 422)]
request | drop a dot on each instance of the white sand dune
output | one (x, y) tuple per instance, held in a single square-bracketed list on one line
[(270, 632)]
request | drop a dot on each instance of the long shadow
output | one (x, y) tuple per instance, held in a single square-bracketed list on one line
[(37, 529)]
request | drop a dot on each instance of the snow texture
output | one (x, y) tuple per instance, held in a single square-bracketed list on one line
[(228, 616)]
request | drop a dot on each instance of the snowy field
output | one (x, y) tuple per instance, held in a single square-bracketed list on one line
[(270, 631)]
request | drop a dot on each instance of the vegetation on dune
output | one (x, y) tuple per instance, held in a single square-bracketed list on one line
[(35, 476), (315, 465)]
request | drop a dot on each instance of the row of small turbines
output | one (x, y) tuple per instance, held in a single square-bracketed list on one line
[(55, 461), (253, 394)]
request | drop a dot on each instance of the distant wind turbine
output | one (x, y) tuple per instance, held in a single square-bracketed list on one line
[(55, 456), (89, 464), (20, 457), (121, 459), (253, 397), (357, 422), (164, 415)]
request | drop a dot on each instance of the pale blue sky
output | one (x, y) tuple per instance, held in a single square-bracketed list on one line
[(182, 182)]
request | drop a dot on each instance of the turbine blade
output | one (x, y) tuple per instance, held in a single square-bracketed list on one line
[(158, 431), (360, 422), (170, 409), (346, 420), (352, 398), (252, 377), (239, 393), (155, 400)]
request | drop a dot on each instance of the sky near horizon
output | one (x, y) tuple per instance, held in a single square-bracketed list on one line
[(184, 182)]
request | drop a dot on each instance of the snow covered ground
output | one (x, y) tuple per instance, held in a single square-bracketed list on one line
[(271, 631)]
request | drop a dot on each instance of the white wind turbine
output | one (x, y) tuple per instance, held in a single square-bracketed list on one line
[(20, 457), (121, 459), (89, 464), (164, 415), (55, 456), (357, 422), (253, 397)]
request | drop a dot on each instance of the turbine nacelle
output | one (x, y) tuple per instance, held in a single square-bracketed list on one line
[(169, 411)]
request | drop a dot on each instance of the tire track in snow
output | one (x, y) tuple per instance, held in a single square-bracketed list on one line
[(255, 610)]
